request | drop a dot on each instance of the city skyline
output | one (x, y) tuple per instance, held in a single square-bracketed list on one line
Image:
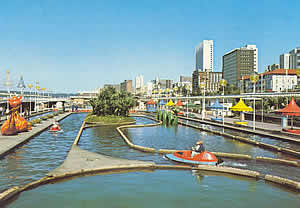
[(68, 46)]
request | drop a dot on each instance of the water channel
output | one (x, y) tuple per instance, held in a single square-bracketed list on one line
[(40, 155), (160, 188)]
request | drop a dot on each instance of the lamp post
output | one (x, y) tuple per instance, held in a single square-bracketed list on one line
[(254, 78), (187, 101), (223, 83), (22, 86), (29, 86), (202, 85), (37, 87)]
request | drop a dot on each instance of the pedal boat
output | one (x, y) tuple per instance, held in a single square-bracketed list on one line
[(55, 129), (204, 158)]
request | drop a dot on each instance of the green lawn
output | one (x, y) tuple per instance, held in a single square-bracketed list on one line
[(110, 119)]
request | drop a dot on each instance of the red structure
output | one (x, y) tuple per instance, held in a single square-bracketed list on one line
[(179, 103), (292, 109)]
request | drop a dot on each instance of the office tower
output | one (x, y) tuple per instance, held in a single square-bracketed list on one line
[(205, 56)]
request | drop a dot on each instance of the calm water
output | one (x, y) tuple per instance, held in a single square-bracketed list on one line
[(161, 188), (106, 140), (40, 155)]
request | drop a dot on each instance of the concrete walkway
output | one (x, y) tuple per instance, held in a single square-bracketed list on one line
[(265, 129), (79, 160), (8, 143)]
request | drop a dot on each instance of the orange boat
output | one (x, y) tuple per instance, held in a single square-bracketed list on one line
[(203, 158)]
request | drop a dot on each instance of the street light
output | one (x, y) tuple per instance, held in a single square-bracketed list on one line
[(254, 78), (37, 87), (21, 85), (202, 85), (187, 87), (223, 83), (29, 86)]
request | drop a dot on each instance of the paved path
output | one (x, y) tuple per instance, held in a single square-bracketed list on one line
[(265, 129), (8, 143), (79, 160)]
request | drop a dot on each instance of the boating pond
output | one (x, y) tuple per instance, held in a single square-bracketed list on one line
[(161, 188)]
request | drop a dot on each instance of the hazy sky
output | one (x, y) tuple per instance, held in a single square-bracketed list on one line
[(83, 44)]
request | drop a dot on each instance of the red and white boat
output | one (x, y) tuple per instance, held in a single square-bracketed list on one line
[(56, 128), (203, 158)]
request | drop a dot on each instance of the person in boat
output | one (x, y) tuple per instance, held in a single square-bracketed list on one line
[(199, 148), (55, 125)]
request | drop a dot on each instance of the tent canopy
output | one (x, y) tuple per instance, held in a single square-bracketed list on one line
[(150, 102), (241, 106), (179, 103), (170, 103), (162, 102), (292, 109), (216, 105)]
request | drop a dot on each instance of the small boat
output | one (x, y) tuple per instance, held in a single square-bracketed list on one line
[(203, 158), (55, 129)]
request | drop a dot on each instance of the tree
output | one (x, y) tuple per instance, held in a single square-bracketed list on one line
[(112, 102)]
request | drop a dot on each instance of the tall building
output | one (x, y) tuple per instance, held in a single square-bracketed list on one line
[(127, 86), (239, 62), (205, 56), (139, 84), (284, 61), (295, 58), (210, 80)]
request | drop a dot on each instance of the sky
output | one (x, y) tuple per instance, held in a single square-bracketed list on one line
[(71, 45)]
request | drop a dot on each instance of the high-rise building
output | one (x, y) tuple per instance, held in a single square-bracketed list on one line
[(205, 56), (295, 58), (284, 61), (126, 86), (239, 62), (139, 84)]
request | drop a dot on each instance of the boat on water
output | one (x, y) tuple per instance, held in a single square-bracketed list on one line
[(55, 128), (203, 158)]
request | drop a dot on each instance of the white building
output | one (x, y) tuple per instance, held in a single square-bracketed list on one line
[(139, 84), (284, 61), (148, 88), (279, 80), (205, 56)]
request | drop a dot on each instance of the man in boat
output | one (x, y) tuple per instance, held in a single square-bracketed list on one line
[(198, 148)]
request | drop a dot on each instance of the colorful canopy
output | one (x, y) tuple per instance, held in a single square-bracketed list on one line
[(216, 105), (170, 103), (150, 102), (162, 102), (179, 103), (241, 106), (292, 109)]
